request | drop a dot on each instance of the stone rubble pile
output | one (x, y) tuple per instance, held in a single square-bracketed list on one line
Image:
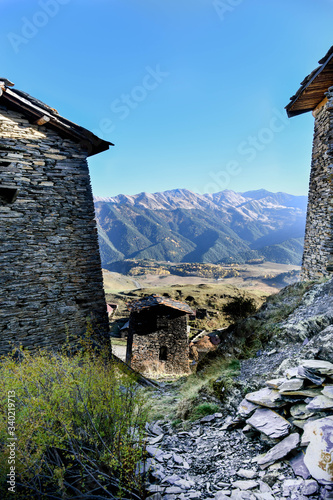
[(296, 412), (279, 446)]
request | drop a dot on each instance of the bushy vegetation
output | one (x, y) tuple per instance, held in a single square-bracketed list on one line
[(132, 267), (240, 307), (214, 271), (79, 427)]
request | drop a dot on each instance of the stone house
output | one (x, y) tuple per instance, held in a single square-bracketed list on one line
[(51, 279), (157, 337), (316, 95)]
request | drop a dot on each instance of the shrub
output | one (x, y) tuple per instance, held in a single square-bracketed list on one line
[(79, 427), (240, 307)]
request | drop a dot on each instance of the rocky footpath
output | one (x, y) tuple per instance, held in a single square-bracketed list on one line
[(273, 437), (278, 445)]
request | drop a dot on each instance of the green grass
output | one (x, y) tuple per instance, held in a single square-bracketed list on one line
[(184, 398), (121, 342)]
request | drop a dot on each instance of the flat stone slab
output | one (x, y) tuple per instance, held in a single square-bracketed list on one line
[(246, 408), (156, 439), (155, 452), (292, 372), (275, 383), (245, 485), (318, 366), (294, 384), (280, 450), (172, 479), (320, 403), (319, 454), (306, 393), (299, 467), (328, 391), (270, 423), (247, 473), (310, 375), (266, 397)]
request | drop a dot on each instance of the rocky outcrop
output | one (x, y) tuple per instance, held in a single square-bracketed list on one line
[(314, 313)]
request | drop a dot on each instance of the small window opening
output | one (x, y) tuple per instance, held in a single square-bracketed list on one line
[(8, 195), (163, 353)]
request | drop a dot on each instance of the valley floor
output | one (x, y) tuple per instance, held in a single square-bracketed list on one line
[(267, 278)]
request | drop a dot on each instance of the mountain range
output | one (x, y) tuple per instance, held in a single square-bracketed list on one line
[(182, 226)]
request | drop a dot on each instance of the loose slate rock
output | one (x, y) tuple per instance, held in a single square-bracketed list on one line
[(245, 485), (156, 496), (305, 372), (280, 450), (207, 418), (246, 408), (310, 487), (320, 403), (247, 473), (299, 467), (156, 439), (292, 372), (306, 393), (178, 459), (220, 495), (292, 486), (266, 397), (275, 383), (155, 452), (319, 454), (328, 391), (318, 366), (294, 384), (300, 411), (270, 423)]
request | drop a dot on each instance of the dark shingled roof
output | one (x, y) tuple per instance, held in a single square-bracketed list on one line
[(157, 300), (35, 110), (313, 87)]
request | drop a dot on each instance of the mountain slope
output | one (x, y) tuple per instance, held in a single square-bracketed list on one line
[(181, 226)]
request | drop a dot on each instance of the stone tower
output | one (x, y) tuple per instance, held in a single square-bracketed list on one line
[(316, 95), (51, 279)]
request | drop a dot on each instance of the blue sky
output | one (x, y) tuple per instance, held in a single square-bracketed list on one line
[(192, 92)]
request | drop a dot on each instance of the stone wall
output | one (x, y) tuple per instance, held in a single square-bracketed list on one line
[(318, 244), (51, 278), (158, 340)]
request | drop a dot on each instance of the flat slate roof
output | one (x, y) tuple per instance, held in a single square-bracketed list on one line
[(37, 111), (158, 300)]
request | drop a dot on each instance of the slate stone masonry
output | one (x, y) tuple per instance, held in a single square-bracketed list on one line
[(51, 278), (318, 244)]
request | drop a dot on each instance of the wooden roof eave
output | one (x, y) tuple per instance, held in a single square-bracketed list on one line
[(302, 90), (79, 134)]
